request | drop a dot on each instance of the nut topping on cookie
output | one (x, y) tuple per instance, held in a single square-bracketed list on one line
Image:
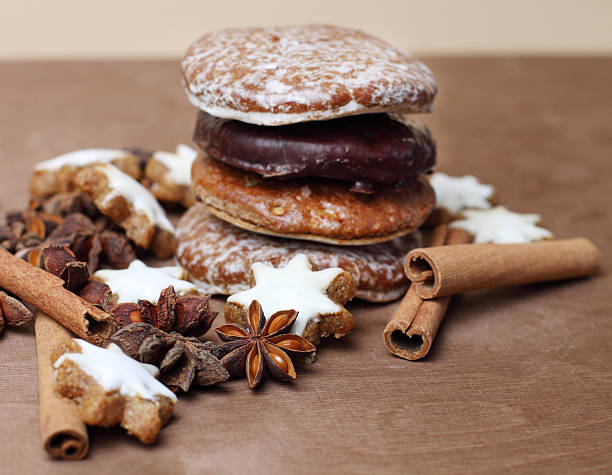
[(458, 193), (141, 282), (501, 226), (294, 286)]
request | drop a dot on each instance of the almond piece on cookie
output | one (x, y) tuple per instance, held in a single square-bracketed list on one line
[(130, 205), (317, 295), (169, 175), (57, 174), (111, 388)]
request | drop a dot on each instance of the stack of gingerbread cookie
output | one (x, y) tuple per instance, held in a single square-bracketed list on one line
[(304, 148)]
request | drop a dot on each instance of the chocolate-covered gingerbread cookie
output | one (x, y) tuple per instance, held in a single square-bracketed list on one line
[(367, 150)]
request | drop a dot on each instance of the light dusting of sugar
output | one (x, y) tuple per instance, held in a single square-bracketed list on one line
[(501, 226), (458, 193), (273, 76), (115, 371)]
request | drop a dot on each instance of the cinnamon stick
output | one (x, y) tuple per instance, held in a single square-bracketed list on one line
[(64, 434), (448, 270), (46, 292), (414, 325)]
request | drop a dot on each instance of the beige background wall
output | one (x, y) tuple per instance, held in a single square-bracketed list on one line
[(129, 28)]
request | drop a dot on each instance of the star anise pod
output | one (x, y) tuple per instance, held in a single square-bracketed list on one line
[(184, 314), (182, 361), (262, 345)]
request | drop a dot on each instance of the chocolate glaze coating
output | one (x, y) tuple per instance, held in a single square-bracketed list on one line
[(368, 150)]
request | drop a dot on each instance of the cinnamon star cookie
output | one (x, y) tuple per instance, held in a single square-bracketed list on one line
[(111, 388), (318, 297), (219, 257), (316, 210)]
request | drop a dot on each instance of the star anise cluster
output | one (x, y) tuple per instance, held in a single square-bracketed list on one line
[(263, 346), (185, 314), (183, 362)]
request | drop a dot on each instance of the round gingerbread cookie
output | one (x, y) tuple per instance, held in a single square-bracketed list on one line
[(285, 75), (310, 209), (219, 257)]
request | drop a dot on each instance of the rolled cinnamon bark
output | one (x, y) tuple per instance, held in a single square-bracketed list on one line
[(442, 271), (64, 434), (46, 292), (414, 325)]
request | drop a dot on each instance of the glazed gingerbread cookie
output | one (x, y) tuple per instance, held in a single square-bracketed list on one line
[(111, 388), (290, 74), (318, 297), (130, 205), (219, 256)]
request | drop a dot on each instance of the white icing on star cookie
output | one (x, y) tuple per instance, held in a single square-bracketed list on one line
[(140, 281), (458, 193), (293, 287), (81, 158), (114, 370), (501, 226), (137, 195), (178, 164)]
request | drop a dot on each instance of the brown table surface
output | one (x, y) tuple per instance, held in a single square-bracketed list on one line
[(519, 380)]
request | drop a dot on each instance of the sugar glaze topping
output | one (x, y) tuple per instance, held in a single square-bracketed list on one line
[(178, 164), (458, 193), (81, 158), (114, 370), (501, 226), (140, 198), (140, 281), (293, 287)]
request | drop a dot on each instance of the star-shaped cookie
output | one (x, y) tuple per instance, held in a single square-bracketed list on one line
[(501, 226), (141, 282), (112, 388), (317, 296), (458, 193)]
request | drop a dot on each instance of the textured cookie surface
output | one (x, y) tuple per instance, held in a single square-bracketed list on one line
[(311, 209), (220, 256), (284, 75)]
